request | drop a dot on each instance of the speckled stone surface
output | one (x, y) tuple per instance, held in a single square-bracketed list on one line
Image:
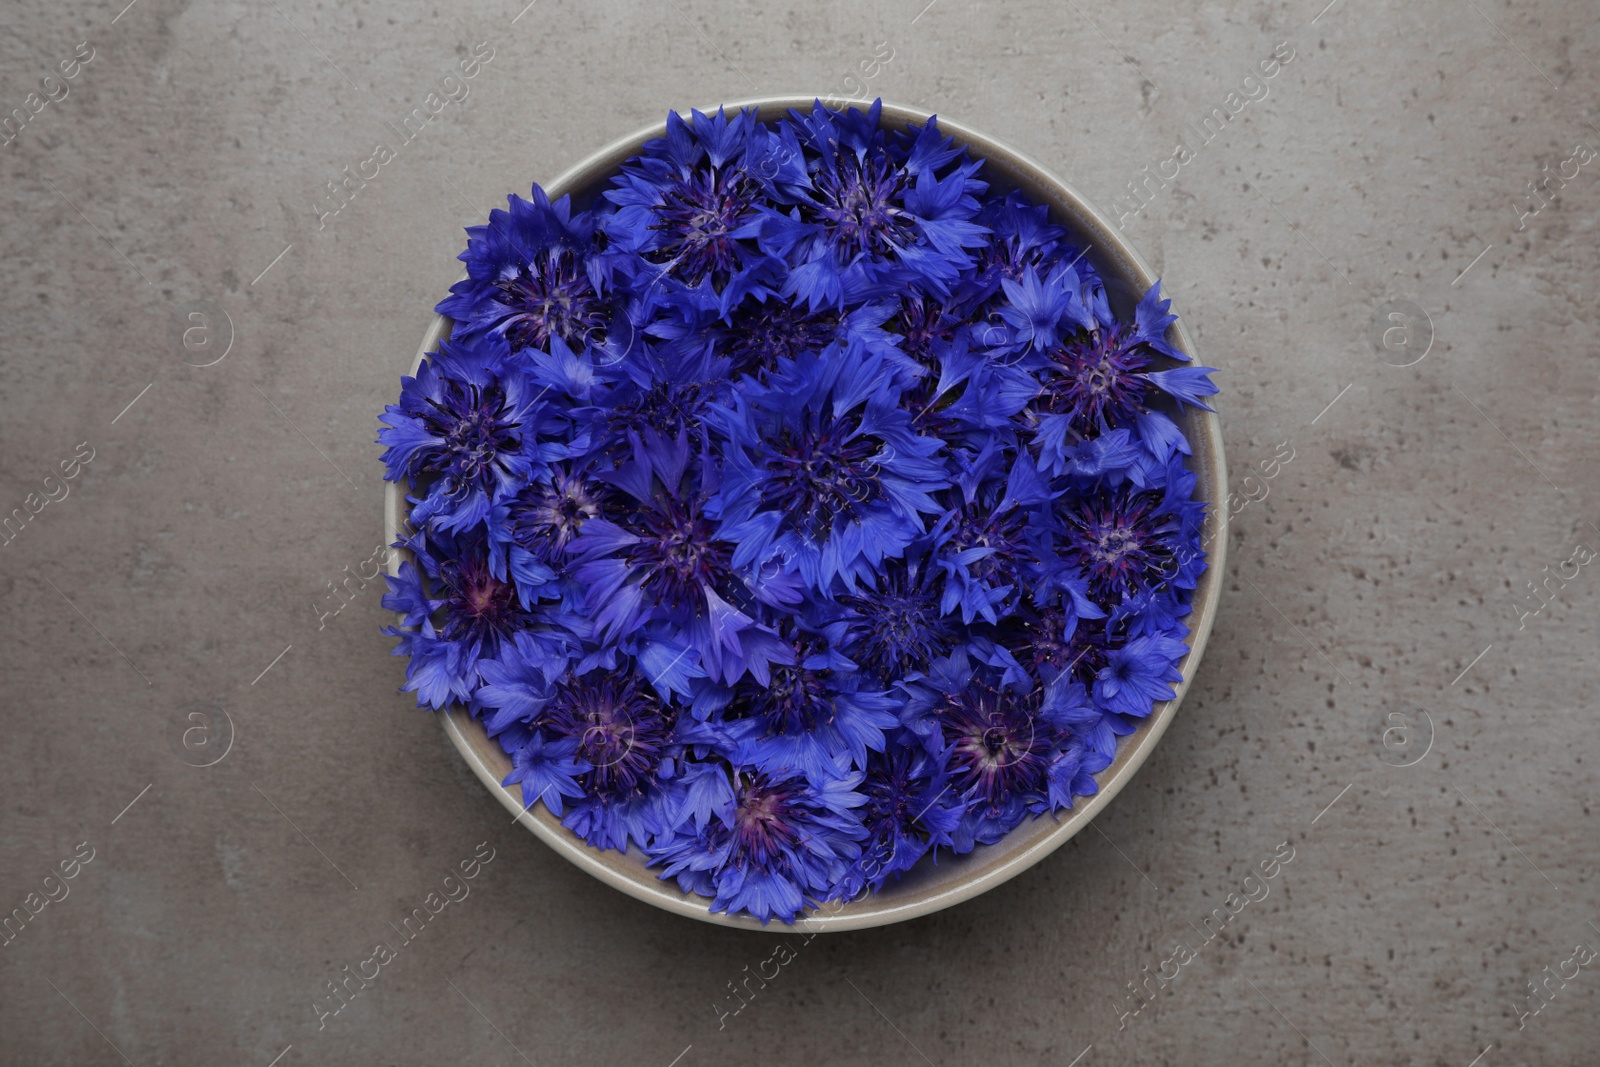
[(1380, 582)]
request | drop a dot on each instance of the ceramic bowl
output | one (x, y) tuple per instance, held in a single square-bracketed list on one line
[(928, 887)]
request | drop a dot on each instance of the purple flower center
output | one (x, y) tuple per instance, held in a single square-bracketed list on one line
[(797, 699), (820, 471), (477, 604), (1010, 257), (1121, 542), (920, 323), (1098, 379), (475, 425), (553, 298), (546, 516), (667, 407), (763, 333), (763, 823), (677, 553), (1000, 530), (893, 802), (620, 728), (998, 747), (697, 218), (1038, 639), (856, 202), (903, 629)]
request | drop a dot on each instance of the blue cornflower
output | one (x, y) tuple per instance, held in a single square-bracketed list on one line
[(766, 328), (686, 208), (1064, 636), (666, 392), (623, 739), (547, 515), (899, 626), (909, 811), (471, 422), (989, 544), (809, 708), (1125, 540), (861, 210), (1139, 675), (1024, 239), (623, 731), (519, 682), (531, 276), (1039, 309), (1101, 378), (771, 844), (662, 558), (998, 745), (473, 615), (823, 471)]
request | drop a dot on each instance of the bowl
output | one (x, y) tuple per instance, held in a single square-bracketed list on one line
[(929, 886)]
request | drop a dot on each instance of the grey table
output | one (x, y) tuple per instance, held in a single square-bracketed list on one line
[(1389, 247)]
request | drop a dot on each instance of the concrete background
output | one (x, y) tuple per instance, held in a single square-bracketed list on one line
[(1385, 572)]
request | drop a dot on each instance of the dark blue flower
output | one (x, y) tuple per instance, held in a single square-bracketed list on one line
[(1124, 540), (473, 614), (470, 423), (910, 810), (686, 208), (1139, 675), (531, 277), (823, 471), (766, 328), (771, 844), (898, 622), (623, 739), (866, 215), (990, 545), (1024, 239), (808, 708), (1040, 308), (1101, 377), (662, 558)]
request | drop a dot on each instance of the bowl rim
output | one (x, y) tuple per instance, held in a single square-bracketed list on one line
[(624, 871)]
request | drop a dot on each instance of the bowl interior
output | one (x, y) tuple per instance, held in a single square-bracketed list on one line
[(929, 886)]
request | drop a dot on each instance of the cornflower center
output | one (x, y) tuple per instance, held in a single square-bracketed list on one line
[(477, 604), (891, 799), (1098, 379), (621, 731), (552, 298), (677, 553), (476, 427), (763, 333), (547, 516), (667, 407), (1000, 530), (1039, 640), (697, 219), (762, 820), (903, 629), (857, 204), (997, 746), (797, 699), (820, 471), (1118, 540), (921, 322)]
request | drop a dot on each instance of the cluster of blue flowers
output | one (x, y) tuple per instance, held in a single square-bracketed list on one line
[(797, 511)]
